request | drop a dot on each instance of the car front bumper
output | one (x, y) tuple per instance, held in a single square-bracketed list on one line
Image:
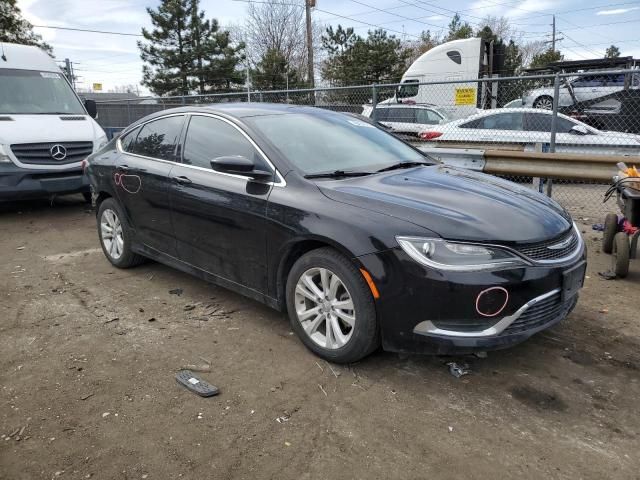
[(421, 310), (18, 183)]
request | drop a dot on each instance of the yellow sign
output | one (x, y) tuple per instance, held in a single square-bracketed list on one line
[(465, 96), (97, 87)]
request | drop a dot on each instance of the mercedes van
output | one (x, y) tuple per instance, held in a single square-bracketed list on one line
[(46, 131)]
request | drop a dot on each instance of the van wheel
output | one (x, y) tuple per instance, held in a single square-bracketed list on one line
[(610, 230), (115, 235), (545, 103), (331, 307), (620, 255)]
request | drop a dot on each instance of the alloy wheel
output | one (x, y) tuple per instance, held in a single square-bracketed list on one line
[(111, 233), (324, 308), (544, 103)]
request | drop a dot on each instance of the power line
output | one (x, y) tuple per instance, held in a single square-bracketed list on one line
[(90, 31), (396, 15)]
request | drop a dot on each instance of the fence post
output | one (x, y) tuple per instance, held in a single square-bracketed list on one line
[(554, 124), (374, 102)]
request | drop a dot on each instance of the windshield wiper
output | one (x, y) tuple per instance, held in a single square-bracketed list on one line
[(399, 165), (337, 174)]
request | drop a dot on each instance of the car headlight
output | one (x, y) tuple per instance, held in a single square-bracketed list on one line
[(459, 257), (4, 156)]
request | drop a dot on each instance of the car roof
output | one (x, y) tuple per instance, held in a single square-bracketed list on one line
[(406, 105)]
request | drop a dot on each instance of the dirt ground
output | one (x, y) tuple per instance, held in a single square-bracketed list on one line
[(88, 355)]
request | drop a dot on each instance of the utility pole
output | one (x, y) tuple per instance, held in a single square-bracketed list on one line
[(553, 34), (308, 4), (68, 67)]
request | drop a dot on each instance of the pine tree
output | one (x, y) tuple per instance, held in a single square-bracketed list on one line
[(15, 29), (459, 30), (545, 58), (186, 52), (273, 72)]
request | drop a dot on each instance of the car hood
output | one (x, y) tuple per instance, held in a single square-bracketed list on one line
[(48, 128), (455, 204)]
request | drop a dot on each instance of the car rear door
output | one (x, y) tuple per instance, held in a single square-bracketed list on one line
[(141, 177), (220, 218)]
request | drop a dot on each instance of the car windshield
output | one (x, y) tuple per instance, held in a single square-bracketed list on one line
[(36, 92), (325, 142)]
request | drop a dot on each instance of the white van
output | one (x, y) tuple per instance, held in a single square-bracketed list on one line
[(45, 130), (466, 59)]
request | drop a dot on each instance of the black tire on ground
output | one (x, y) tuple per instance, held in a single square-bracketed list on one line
[(610, 230), (545, 102), (127, 258), (87, 196), (365, 336), (620, 255)]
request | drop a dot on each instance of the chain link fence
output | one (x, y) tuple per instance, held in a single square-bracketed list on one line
[(585, 114)]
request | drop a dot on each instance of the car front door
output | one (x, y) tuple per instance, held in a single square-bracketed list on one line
[(219, 218), (141, 177)]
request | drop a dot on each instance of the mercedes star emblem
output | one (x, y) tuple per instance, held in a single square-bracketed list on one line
[(58, 152)]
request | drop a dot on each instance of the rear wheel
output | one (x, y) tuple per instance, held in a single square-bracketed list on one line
[(545, 103), (610, 230), (620, 255), (331, 307), (115, 235)]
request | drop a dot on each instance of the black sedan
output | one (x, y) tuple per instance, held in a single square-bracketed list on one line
[(364, 240)]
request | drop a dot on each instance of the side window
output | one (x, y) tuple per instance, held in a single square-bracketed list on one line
[(455, 56), (428, 117), (128, 139), (159, 138), (564, 125), (616, 80), (401, 115), (209, 138), (501, 121), (408, 89), (537, 122), (472, 124)]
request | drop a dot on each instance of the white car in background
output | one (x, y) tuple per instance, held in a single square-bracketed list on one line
[(585, 88), (406, 119), (523, 128)]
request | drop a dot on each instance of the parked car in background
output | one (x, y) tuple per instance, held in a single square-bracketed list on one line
[(364, 240), (517, 103), (406, 119), (45, 130), (523, 128), (584, 88)]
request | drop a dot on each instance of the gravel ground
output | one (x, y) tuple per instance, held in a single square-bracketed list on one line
[(88, 355)]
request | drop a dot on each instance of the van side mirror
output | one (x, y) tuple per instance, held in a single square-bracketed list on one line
[(239, 165), (91, 107)]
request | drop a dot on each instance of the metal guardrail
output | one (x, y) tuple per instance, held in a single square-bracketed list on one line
[(564, 166)]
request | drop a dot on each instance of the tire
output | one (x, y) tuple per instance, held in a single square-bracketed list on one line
[(339, 335), (111, 217), (545, 102), (609, 232), (620, 256)]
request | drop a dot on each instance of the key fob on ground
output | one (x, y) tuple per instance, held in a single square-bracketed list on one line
[(196, 385)]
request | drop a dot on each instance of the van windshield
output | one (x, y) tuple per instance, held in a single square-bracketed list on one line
[(36, 92)]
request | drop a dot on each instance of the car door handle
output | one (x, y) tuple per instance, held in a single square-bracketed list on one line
[(124, 168), (182, 180)]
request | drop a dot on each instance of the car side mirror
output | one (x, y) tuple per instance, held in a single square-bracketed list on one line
[(239, 165), (91, 107), (579, 130)]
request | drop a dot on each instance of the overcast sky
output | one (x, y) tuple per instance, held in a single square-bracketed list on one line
[(588, 26)]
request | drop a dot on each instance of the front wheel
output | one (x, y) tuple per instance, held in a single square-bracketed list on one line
[(620, 255), (331, 307), (544, 103), (610, 230)]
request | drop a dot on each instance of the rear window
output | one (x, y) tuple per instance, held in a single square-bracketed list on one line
[(157, 139), (498, 121)]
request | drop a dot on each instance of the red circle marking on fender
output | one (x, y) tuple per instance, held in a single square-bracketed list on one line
[(506, 300)]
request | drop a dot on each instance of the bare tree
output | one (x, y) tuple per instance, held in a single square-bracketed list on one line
[(501, 28), (531, 49)]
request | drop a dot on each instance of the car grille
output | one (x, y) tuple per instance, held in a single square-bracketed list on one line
[(541, 250), (541, 313), (40, 153)]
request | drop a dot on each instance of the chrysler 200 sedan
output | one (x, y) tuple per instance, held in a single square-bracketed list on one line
[(361, 238)]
